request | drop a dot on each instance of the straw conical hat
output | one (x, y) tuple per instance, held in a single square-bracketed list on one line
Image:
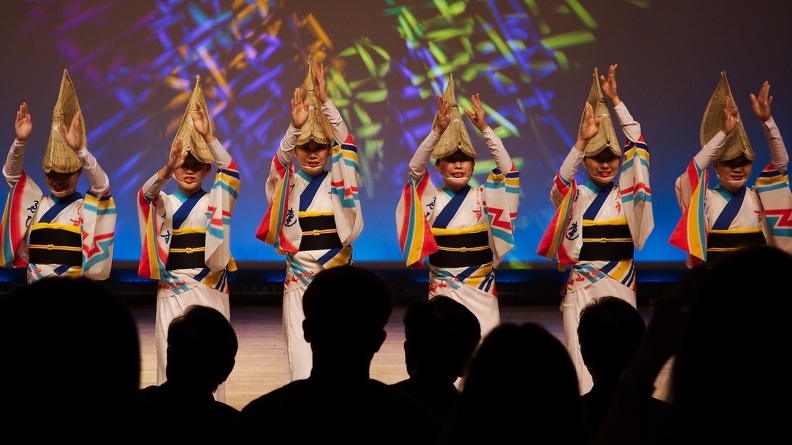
[(59, 156), (606, 137), (455, 137), (736, 143), (317, 127), (192, 141)]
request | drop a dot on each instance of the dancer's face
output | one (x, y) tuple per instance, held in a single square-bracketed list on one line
[(313, 157), (191, 174)]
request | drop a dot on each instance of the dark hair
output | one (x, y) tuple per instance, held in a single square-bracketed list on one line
[(609, 331), (739, 161), (457, 156), (733, 361), (347, 302), (520, 380), (202, 347), (605, 155), (192, 163), (441, 334), (65, 339), (318, 147), (54, 176)]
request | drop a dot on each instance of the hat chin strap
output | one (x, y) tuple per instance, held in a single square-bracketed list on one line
[(313, 171), (64, 193), (739, 183), (606, 178), (457, 182), (181, 183)]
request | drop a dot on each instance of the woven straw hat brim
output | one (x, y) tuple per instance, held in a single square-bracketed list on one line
[(606, 137), (455, 137), (736, 143), (317, 128), (192, 141), (313, 128), (59, 156)]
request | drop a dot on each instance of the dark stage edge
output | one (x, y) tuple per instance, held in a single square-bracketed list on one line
[(263, 285)]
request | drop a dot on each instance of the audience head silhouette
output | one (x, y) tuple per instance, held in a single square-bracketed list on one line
[(71, 361), (732, 362), (609, 331), (440, 337), (521, 386), (202, 347), (346, 312), (346, 309)]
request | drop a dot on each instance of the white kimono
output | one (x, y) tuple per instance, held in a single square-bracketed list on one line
[(627, 202), (91, 218), (488, 209), (160, 219), (763, 209), (294, 195)]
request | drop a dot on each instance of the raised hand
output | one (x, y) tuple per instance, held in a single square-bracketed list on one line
[(299, 109), (761, 104), (72, 133), (477, 115), (443, 115), (590, 125), (175, 160), (320, 87), (608, 85), (201, 123), (729, 116), (23, 125)]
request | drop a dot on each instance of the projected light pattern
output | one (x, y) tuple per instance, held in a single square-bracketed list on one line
[(251, 54)]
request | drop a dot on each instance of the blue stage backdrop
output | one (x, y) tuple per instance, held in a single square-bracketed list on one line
[(133, 64)]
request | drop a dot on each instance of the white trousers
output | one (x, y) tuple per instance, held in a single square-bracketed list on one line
[(299, 359)]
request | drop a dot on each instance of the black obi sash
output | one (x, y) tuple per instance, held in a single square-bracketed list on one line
[(722, 243), (319, 233), (606, 242), (187, 251), (463, 250), (49, 245)]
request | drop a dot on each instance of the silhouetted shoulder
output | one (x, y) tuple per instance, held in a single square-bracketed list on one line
[(304, 411), (174, 417), (71, 361)]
